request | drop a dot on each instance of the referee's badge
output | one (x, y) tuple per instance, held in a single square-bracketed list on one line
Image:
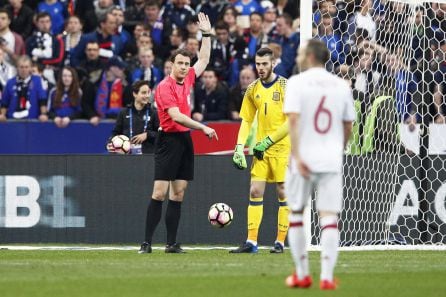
[(276, 96)]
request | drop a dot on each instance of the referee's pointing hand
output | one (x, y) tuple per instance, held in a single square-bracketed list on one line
[(210, 133)]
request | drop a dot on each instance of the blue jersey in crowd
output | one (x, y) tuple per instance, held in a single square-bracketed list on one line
[(247, 9), (26, 104), (58, 14)]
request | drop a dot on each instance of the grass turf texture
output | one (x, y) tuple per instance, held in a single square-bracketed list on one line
[(214, 273)]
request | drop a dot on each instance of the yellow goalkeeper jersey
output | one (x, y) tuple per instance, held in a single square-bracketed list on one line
[(267, 101)]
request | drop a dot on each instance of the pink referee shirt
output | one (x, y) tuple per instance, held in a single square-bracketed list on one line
[(169, 94)]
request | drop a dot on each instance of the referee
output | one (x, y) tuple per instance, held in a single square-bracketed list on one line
[(174, 153)]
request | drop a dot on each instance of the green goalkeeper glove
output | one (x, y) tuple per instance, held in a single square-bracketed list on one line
[(261, 147), (239, 159)]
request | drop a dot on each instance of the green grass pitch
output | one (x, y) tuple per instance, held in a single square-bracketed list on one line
[(214, 273)]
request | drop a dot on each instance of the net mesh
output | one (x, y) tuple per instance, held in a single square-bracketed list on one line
[(394, 55)]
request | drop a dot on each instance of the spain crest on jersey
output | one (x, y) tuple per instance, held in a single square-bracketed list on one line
[(276, 96)]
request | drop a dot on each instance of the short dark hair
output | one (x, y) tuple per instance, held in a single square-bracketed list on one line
[(211, 69), (4, 10), (42, 15), (221, 25), (136, 86), (265, 51), (103, 17), (287, 18), (256, 13), (319, 50), (150, 3), (181, 51)]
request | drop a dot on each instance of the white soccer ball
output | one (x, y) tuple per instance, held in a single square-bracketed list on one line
[(220, 215), (120, 144)]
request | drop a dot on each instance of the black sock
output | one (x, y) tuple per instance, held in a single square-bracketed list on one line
[(153, 218), (173, 215)]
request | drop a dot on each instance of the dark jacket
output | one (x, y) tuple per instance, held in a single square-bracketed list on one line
[(22, 22), (213, 106), (122, 125)]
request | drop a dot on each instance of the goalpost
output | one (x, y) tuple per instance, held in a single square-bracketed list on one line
[(394, 54)]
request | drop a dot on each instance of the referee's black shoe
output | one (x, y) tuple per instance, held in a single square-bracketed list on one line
[(174, 249), (146, 248)]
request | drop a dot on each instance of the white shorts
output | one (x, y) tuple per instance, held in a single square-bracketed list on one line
[(328, 188)]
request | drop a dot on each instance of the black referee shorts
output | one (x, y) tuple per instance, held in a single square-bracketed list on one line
[(174, 156)]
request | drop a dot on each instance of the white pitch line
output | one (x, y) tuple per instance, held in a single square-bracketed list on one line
[(207, 248)]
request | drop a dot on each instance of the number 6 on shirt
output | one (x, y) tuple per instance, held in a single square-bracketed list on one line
[(321, 110)]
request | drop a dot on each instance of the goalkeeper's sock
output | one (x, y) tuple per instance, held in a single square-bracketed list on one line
[(153, 217), (173, 214), (282, 220), (329, 244), (298, 245), (255, 214)]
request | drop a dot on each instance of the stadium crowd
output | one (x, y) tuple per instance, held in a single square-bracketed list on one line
[(65, 60)]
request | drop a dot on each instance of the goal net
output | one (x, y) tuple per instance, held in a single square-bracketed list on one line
[(393, 53)]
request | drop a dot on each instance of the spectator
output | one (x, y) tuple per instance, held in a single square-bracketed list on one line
[(21, 15), (109, 97), (144, 41), (247, 7), (7, 71), (290, 6), (192, 29), (440, 86), (176, 40), (131, 48), (210, 99), (363, 19), (45, 48), (65, 99), (269, 20), (92, 66), (254, 37), (118, 13), (160, 28), (289, 41), (11, 43), (193, 46), (332, 40), (144, 118), (229, 16), (94, 16), (213, 8), (178, 13), (146, 71), (367, 79), (167, 69), (247, 76), (134, 14), (72, 37), (38, 70), (57, 12), (109, 44), (240, 60), (23, 96), (221, 49)]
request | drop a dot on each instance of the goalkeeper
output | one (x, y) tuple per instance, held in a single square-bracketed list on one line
[(264, 97)]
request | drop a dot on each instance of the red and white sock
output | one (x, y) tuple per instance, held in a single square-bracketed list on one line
[(329, 245), (298, 245)]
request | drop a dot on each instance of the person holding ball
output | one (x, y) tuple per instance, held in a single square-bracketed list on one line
[(139, 121)]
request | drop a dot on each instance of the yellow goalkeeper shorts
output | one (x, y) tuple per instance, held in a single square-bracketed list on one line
[(270, 169)]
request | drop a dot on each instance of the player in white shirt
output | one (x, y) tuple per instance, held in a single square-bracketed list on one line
[(320, 111)]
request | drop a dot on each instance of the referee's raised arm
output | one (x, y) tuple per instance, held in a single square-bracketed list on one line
[(205, 51)]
